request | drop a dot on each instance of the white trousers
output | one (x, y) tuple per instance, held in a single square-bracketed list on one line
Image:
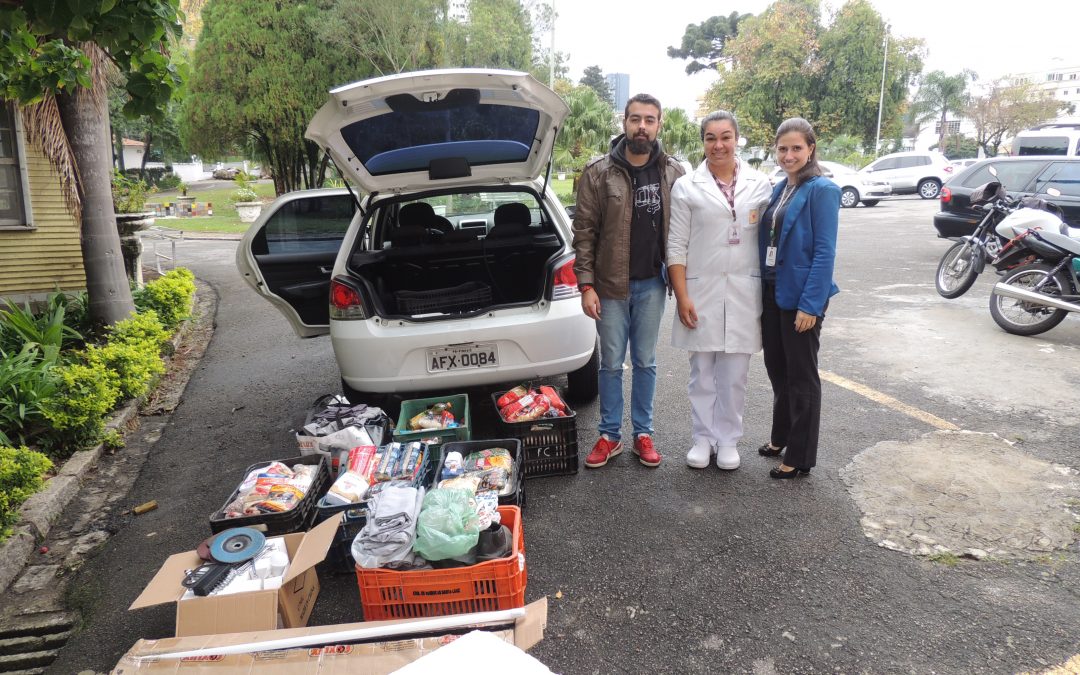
[(718, 396)]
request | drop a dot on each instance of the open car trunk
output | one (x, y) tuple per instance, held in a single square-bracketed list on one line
[(456, 253)]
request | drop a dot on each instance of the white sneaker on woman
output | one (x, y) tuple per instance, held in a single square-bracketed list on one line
[(727, 458), (699, 455)]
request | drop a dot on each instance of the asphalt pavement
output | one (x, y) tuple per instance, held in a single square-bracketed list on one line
[(671, 570)]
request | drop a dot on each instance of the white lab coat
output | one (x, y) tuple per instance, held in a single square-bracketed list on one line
[(723, 279)]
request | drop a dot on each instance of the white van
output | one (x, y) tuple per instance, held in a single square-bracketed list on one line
[(1048, 139)]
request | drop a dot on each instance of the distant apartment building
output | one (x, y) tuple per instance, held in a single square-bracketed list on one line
[(619, 84), (1063, 83)]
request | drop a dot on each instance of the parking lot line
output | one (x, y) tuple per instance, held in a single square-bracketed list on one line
[(888, 401)]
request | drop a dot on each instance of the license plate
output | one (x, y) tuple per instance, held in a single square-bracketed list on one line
[(462, 357)]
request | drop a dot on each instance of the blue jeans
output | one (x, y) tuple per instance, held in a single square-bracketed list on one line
[(637, 321)]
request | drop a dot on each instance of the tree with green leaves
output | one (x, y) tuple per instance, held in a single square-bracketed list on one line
[(55, 58), (681, 135), (850, 57), (390, 36), (587, 131), (594, 79), (938, 95), (498, 34), (259, 73), (703, 43), (1006, 109)]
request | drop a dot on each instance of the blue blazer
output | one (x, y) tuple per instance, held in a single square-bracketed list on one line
[(807, 246)]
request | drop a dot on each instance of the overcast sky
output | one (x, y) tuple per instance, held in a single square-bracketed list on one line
[(991, 38)]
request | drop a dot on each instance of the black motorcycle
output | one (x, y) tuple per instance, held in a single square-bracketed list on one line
[(966, 260)]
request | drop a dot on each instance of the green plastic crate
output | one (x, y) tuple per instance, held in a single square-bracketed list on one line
[(459, 405)]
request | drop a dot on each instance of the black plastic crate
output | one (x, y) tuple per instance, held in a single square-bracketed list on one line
[(466, 297), (339, 558), (296, 519), (515, 498), (550, 444)]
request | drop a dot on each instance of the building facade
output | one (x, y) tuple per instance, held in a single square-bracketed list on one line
[(619, 84)]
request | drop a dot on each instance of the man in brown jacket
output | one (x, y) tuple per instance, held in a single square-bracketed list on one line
[(620, 228)]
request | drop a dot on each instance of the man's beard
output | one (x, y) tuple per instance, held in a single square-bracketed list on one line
[(639, 145)]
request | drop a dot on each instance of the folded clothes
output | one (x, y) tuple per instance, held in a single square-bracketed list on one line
[(387, 537)]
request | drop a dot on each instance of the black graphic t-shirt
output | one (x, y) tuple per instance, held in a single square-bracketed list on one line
[(646, 248)]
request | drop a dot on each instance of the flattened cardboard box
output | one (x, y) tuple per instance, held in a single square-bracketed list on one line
[(373, 658), (251, 611)]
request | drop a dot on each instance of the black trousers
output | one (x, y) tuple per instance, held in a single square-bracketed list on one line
[(791, 360)]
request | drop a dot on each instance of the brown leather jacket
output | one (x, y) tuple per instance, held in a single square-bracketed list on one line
[(605, 204)]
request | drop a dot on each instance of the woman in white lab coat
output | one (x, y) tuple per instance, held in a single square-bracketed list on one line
[(713, 263)]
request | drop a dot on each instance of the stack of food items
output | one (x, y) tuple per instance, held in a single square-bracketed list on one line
[(273, 488), (437, 416), (486, 474), (522, 404), (369, 469)]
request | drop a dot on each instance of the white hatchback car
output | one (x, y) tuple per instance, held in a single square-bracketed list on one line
[(920, 172), (455, 267), (854, 187)]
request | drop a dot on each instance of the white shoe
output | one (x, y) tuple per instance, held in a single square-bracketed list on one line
[(727, 458), (699, 455)]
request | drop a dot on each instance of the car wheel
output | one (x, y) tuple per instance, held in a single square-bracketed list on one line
[(849, 198), (870, 202), (929, 188), (582, 385)]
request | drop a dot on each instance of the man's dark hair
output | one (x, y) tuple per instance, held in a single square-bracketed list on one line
[(648, 99)]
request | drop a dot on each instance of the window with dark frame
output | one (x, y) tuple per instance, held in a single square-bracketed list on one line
[(12, 200)]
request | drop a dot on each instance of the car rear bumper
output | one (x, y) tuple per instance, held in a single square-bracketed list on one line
[(384, 356), (952, 225)]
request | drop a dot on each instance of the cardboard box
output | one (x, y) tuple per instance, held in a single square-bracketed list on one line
[(252, 611), (371, 658)]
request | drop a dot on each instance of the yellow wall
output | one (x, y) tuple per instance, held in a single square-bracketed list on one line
[(34, 262)]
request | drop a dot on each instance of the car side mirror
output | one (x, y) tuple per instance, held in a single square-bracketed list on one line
[(1053, 192)]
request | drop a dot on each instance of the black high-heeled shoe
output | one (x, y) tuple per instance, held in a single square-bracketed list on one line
[(768, 451), (784, 475)]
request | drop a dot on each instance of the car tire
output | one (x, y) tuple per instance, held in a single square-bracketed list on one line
[(583, 385), (871, 202), (929, 188), (849, 198)]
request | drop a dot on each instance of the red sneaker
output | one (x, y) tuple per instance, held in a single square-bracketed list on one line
[(604, 450), (643, 448)]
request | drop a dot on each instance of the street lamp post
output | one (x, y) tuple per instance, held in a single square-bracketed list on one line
[(551, 72), (881, 99)]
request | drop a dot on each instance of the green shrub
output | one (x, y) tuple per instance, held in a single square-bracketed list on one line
[(169, 181), (27, 382), (129, 194), (139, 328), (49, 329), (78, 417), (135, 364), (22, 473), (170, 296)]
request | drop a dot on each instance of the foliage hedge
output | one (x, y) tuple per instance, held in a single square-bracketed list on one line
[(22, 473)]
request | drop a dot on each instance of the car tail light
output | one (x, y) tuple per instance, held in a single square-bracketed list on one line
[(565, 283), (345, 301), (946, 195)]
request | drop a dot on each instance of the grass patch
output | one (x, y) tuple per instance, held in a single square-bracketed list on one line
[(225, 224), (945, 558), (1076, 528), (225, 218)]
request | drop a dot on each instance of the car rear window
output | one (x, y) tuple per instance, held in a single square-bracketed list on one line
[(1044, 145), (465, 124), (1013, 175)]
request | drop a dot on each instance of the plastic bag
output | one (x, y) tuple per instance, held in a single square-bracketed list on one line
[(448, 525)]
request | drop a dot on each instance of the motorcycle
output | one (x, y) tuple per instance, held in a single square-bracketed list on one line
[(966, 260), (1041, 268)]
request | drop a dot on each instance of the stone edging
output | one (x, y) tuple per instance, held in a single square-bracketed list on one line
[(42, 509)]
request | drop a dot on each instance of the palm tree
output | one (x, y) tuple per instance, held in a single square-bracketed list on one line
[(938, 95), (681, 135), (587, 130)]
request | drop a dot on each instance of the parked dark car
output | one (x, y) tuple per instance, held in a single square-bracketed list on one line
[(1021, 176)]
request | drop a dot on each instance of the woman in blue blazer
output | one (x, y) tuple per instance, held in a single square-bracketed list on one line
[(797, 245)]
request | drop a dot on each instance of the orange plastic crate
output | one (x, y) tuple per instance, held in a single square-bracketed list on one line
[(486, 586)]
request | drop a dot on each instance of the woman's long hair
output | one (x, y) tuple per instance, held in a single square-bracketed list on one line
[(800, 125)]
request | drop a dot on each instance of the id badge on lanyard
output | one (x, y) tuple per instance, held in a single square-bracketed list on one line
[(770, 256)]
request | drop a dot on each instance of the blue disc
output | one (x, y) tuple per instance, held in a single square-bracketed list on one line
[(237, 545)]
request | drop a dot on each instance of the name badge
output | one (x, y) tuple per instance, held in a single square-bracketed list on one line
[(733, 235), (770, 256)]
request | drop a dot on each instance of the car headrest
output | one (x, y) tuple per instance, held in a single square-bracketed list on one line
[(512, 212), (416, 213)]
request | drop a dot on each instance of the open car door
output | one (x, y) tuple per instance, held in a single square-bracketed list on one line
[(288, 254)]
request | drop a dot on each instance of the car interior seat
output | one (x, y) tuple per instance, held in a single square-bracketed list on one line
[(511, 220), (412, 224)]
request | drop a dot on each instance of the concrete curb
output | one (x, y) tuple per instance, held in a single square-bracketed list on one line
[(41, 510)]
